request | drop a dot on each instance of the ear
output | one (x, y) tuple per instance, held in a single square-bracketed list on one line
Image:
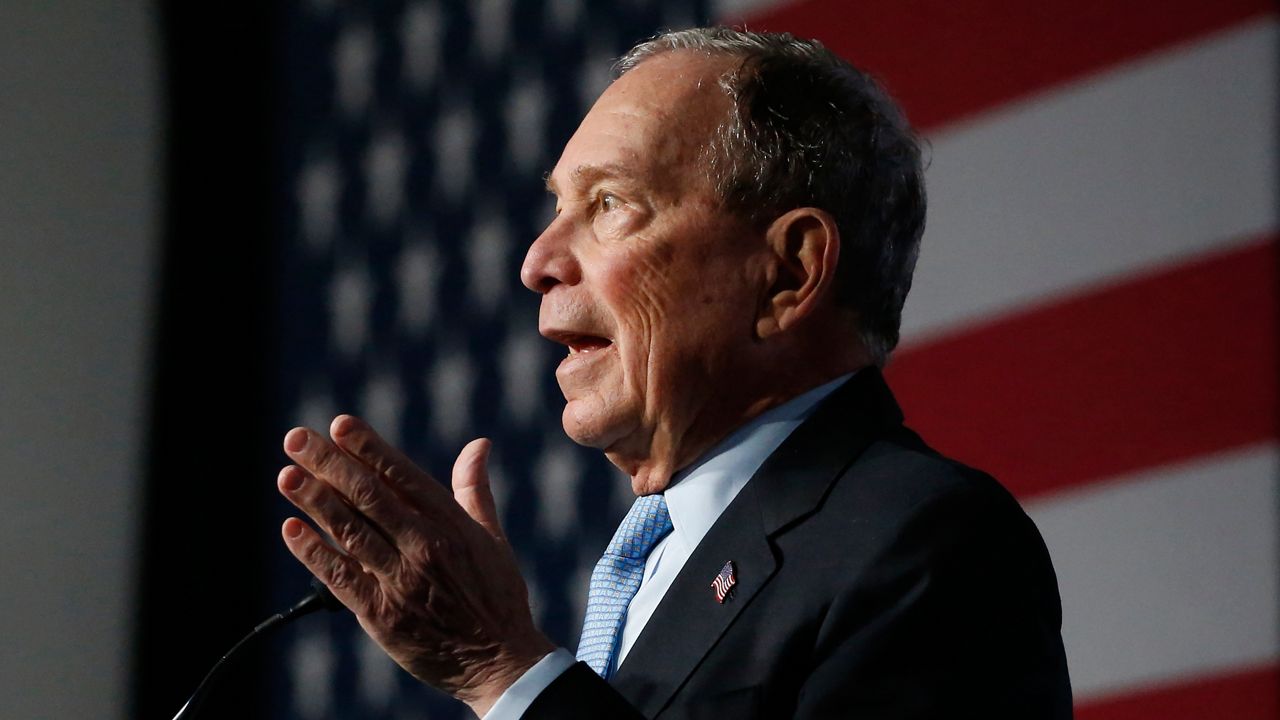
[(805, 245)]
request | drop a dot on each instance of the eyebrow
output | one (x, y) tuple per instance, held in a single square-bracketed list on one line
[(587, 174)]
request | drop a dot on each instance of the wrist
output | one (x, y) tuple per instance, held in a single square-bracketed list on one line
[(508, 665)]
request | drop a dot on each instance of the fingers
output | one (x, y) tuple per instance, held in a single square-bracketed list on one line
[(427, 573), (356, 438), (353, 532), (362, 488), (471, 487), (350, 584)]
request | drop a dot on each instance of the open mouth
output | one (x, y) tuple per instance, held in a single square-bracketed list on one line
[(584, 343)]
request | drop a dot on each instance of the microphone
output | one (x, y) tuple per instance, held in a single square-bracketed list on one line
[(318, 598)]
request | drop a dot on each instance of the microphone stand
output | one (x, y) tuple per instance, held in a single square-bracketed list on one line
[(318, 598)]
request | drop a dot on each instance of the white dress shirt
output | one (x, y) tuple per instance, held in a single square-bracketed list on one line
[(696, 497)]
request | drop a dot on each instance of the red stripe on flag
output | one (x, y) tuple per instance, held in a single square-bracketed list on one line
[(1249, 695), (1158, 369), (944, 60)]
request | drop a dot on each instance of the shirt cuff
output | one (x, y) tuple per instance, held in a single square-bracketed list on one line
[(517, 698)]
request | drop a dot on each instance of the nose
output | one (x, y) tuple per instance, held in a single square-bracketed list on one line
[(550, 260)]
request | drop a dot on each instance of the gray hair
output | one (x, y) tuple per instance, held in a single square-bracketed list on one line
[(808, 129)]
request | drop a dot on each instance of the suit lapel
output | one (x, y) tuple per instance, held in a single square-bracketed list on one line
[(788, 487), (689, 620)]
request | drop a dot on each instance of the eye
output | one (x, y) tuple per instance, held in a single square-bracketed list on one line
[(607, 201)]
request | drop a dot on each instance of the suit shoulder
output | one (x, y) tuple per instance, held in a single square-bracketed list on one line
[(900, 499), (899, 476), (901, 512)]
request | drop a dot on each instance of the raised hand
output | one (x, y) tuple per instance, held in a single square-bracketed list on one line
[(430, 576)]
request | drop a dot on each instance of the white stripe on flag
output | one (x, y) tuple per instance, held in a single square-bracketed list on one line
[(1168, 573), (1157, 159)]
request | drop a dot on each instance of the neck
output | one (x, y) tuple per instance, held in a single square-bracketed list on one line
[(671, 448)]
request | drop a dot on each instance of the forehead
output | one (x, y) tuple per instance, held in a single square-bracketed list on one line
[(652, 122)]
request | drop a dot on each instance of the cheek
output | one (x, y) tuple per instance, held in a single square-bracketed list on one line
[(640, 301), (672, 311), (643, 290)]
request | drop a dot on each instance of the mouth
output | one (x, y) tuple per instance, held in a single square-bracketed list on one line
[(578, 343)]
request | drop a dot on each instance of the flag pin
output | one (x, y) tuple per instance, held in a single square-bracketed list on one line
[(724, 582)]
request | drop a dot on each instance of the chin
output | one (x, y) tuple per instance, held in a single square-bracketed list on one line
[(585, 427)]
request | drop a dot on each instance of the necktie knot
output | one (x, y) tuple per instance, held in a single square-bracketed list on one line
[(646, 523), (616, 579)]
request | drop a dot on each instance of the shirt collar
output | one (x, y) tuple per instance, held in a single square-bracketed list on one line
[(700, 493)]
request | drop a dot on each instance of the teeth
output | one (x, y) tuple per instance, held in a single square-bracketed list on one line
[(579, 345)]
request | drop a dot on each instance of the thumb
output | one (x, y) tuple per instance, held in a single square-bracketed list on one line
[(471, 486)]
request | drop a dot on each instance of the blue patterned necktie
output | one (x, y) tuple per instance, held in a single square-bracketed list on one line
[(617, 578)]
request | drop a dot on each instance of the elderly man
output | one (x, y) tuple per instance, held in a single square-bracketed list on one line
[(736, 226)]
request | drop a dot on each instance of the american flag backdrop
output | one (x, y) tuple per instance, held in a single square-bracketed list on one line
[(1093, 319)]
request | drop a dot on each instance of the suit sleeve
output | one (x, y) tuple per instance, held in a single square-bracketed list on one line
[(959, 617), (580, 694)]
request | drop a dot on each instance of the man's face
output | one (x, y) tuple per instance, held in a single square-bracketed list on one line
[(651, 285)]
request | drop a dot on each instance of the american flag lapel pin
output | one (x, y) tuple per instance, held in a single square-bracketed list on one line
[(724, 582)]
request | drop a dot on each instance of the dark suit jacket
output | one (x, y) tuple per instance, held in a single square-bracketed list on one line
[(876, 579)]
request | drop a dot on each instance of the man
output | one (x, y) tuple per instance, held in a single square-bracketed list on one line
[(736, 226)]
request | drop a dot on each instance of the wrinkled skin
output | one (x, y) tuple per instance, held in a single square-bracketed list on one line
[(642, 259), (682, 323), (430, 576)]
